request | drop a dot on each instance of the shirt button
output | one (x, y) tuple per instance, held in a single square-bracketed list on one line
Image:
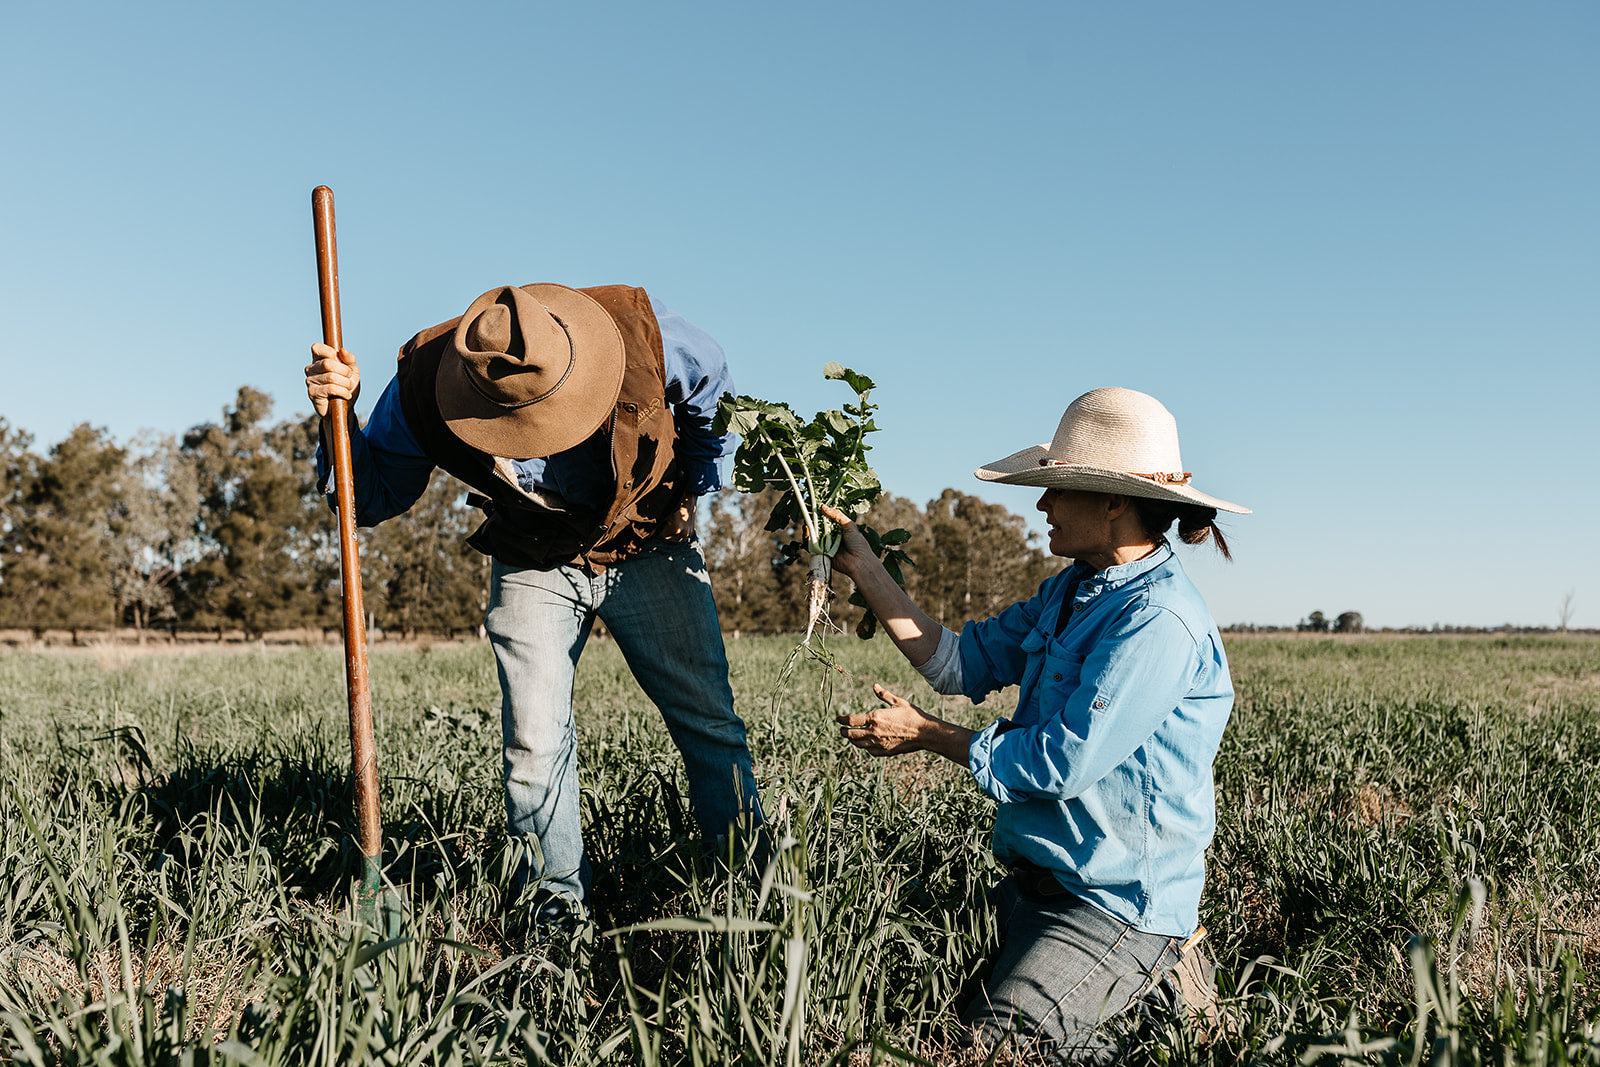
[(1077, 607), (1058, 677)]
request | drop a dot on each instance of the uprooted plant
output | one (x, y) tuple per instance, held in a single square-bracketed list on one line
[(818, 462)]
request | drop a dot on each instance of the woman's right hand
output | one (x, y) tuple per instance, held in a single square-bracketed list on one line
[(332, 375), (853, 548)]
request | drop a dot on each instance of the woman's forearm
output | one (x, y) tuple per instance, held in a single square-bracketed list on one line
[(949, 740), (913, 631)]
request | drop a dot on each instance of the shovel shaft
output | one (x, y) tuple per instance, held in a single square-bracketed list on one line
[(363, 750)]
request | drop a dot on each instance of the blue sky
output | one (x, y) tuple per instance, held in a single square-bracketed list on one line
[(1355, 248)]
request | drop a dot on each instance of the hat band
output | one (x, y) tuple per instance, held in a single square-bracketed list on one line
[(1159, 477), (572, 360)]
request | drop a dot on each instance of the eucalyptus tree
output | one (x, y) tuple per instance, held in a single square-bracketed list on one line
[(422, 575), (741, 554), (263, 559), (154, 533), (59, 534), (975, 559)]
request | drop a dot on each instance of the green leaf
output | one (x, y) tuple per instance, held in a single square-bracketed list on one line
[(742, 423), (700, 924), (371, 952), (785, 513), (747, 483), (867, 626), (862, 478), (859, 382)]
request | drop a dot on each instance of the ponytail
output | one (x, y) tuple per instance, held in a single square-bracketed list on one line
[(1196, 522), (1194, 528)]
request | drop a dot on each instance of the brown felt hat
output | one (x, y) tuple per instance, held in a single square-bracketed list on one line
[(531, 371)]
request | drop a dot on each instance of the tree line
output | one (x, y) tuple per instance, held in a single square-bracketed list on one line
[(223, 529)]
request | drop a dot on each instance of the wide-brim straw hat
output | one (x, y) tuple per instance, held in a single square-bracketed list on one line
[(1109, 441), (530, 371)]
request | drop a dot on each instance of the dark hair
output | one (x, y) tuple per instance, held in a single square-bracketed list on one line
[(1195, 521)]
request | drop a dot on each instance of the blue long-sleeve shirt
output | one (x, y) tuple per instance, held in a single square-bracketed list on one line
[(1103, 775), (391, 470)]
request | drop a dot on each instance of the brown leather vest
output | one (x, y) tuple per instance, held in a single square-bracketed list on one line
[(648, 479)]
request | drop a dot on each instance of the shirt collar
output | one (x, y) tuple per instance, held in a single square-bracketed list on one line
[(1121, 574)]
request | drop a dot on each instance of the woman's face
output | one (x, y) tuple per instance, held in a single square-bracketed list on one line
[(1080, 523)]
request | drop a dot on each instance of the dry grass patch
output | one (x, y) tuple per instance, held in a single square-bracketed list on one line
[(216, 985)]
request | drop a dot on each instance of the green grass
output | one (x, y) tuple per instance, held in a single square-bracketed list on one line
[(1407, 866)]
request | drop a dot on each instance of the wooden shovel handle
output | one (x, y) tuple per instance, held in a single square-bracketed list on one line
[(363, 750)]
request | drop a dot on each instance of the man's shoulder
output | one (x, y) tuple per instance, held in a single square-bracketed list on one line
[(430, 339), (621, 300), (626, 292)]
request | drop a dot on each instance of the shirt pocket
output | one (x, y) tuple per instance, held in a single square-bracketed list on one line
[(1060, 675), (1027, 704), (1052, 673)]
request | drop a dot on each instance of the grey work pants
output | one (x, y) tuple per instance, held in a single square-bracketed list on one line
[(1065, 968)]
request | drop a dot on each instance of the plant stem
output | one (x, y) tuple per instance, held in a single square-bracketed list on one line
[(816, 538), (800, 498)]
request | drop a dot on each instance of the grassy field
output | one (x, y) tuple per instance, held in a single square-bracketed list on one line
[(1407, 866)]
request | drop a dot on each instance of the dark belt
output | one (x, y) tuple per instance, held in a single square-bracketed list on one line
[(1037, 884)]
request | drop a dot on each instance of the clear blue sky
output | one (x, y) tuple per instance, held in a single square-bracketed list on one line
[(1355, 248)]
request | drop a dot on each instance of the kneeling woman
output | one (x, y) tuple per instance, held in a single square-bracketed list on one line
[(1103, 774)]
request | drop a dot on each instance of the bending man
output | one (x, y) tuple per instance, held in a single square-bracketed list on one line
[(582, 419)]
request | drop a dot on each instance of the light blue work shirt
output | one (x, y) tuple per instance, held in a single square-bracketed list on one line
[(1103, 775), (391, 470)]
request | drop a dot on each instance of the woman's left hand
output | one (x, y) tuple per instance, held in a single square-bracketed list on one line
[(897, 727)]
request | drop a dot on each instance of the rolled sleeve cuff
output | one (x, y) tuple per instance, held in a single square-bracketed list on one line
[(327, 479), (980, 762), (325, 472), (943, 669), (701, 476)]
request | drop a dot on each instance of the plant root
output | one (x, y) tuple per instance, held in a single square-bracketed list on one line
[(817, 592)]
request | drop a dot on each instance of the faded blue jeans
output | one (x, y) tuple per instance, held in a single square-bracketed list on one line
[(658, 607), (1063, 970)]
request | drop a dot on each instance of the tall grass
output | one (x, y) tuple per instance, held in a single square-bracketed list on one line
[(1407, 867)]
